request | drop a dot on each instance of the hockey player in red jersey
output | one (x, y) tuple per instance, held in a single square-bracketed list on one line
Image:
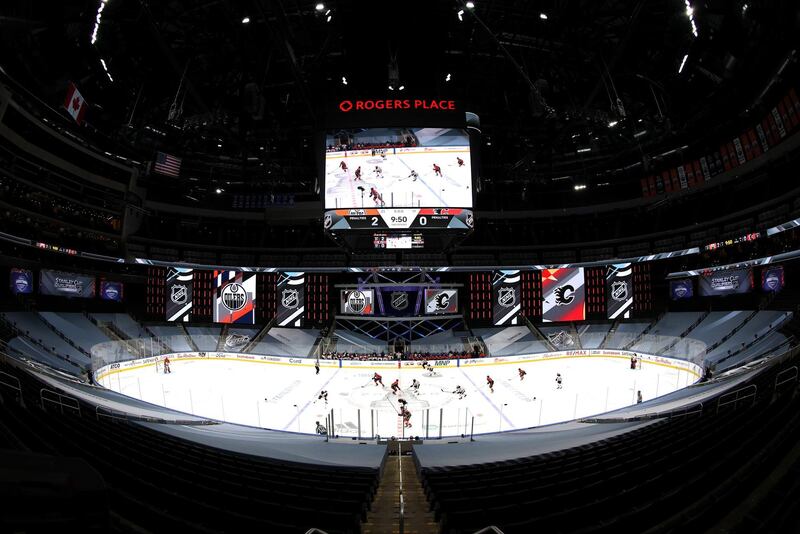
[(437, 170), (358, 173), (166, 365), (490, 383), (343, 165), (460, 161), (378, 379), (395, 386), (374, 195), (522, 373)]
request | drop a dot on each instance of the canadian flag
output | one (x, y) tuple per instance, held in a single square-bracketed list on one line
[(75, 104)]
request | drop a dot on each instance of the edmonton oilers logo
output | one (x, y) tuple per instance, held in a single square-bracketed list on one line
[(234, 297)]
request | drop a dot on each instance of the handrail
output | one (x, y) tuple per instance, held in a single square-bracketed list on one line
[(400, 472), (60, 400)]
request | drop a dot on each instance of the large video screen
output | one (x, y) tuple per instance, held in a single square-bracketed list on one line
[(64, 284), (564, 295), (398, 168), (234, 297), (358, 301)]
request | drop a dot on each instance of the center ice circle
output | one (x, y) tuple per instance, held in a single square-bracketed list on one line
[(285, 393)]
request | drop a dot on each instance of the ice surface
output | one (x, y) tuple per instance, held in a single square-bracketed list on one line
[(284, 396)]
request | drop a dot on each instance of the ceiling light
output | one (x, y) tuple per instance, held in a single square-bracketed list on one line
[(344, 80), (579, 187), (218, 190), (329, 18), (683, 63), (320, 7), (470, 5), (401, 87), (219, 145), (612, 124), (543, 16), (639, 134), (447, 78), (246, 20), (582, 150), (460, 14), (391, 88)]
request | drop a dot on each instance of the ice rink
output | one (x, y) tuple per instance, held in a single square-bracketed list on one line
[(282, 394), (394, 184)]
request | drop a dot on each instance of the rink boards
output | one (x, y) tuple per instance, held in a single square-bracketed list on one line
[(647, 359)]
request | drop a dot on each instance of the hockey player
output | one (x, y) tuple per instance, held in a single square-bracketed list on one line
[(460, 161), (316, 366), (343, 165), (634, 361), (522, 373), (639, 397), (461, 392), (437, 171), (166, 365), (413, 175), (383, 155), (426, 365), (395, 386), (378, 172), (402, 402), (323, 395), (415, 385), (490, 383), (377, 197), (406, 417), (559, 385), (378, 379), (358, 174)]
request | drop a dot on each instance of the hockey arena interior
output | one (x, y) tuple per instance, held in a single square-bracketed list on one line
[(452, 267)]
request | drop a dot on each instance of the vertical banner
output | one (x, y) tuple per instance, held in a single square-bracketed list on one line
[(111, 290), (179, 294), (619, 290), (772, 279), (507, 304), (291, 299), (234, 297), (564, 295), (21, 281)]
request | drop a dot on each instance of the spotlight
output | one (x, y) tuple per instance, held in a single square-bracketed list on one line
[(246, 20), (612, 124), (683, 63), (391, 88), (218, 190), (447, 78), (470, 5), (320, 7), (543, 16), (401, 87), (344, 80), (460, 14)]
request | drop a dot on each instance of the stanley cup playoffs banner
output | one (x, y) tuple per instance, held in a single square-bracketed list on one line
[(619, 290), (234, 297), (506, 301), (291, 299), (564, 295), (179, 294)]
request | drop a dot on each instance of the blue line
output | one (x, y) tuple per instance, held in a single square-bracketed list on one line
[(444, 204), (493, 405), (298, 414)]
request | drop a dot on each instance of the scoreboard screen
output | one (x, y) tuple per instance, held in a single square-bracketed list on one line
[(397, 179)]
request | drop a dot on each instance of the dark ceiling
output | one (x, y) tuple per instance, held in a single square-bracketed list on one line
[(543, 87)]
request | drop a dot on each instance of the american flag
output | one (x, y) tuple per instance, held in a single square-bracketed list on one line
[(166, 164)]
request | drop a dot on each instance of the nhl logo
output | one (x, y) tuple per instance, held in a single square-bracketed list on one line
[(399, 300), (619, 291), (506, 297), (236, 341), (289, 298), (233, 297), (179, 295), (327, 221), (356, 301)]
